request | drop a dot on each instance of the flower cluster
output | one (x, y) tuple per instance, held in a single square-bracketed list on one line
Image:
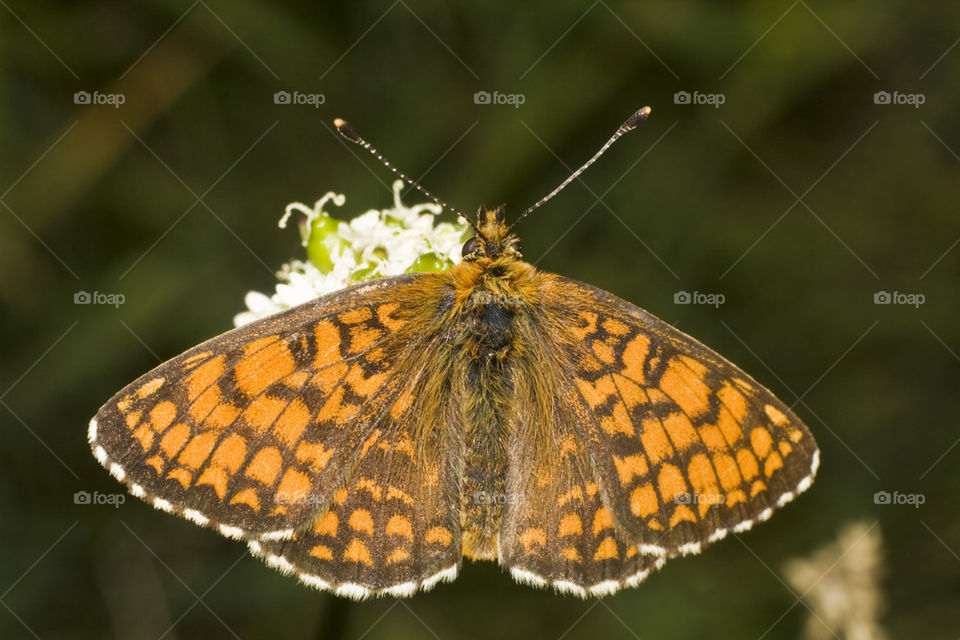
[(372, 245)]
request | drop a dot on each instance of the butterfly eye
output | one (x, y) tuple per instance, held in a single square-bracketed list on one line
[(470, 248)]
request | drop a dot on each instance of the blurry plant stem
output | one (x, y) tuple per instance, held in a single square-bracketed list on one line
[(335, 620)]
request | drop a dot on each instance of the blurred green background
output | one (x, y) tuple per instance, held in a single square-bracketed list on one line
[(799, 198)]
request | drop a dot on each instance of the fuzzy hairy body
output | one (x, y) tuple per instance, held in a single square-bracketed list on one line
[(495, 302), (488, 363)]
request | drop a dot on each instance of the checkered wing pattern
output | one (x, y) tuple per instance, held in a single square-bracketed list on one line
[(686, 447), (258, 431), (557, 530), (391, 529)]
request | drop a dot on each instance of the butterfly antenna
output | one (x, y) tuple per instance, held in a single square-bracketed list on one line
[(351, 134), (631, 123)]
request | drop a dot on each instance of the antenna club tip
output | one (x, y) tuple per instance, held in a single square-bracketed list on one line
[(344, 129), (638, 116)]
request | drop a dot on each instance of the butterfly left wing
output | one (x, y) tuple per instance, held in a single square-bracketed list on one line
[(252, 431), (393, 526)]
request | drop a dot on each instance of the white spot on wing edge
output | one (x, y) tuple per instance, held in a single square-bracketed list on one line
[(353, 591), (719, 534), (404, 590), (101, 455), (92, 431), (785, 498), (740, 527), (640, 576), (689, 548), (313, 581), (232, 532), (565, 586), (117, 471), (528, 577), (605, 588), (446, 575), (279, 563), (637, 578), (280, 534), (653, 549), (196, 516)]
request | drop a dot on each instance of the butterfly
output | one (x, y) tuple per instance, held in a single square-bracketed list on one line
[(369, 440)]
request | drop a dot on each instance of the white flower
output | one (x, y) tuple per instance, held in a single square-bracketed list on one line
[(374, 244)]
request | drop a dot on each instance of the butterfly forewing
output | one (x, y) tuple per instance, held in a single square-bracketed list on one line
[(686, 446), (253, 431)]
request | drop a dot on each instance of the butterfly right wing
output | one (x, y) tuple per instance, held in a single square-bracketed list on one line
[(556, 529), (631, 442), (686, 446), (253, 431)]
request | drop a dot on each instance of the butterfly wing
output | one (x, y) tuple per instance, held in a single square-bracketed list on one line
[(685, 445), (254, 431), (556, 529), (393, 527), (632, 442)]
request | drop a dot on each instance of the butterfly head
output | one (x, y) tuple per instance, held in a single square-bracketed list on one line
[(493, 239)]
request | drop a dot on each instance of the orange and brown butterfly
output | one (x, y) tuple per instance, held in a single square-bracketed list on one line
[(369, 440)]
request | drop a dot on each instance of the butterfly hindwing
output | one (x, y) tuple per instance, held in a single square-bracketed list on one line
[(686, 446), (253, 431), (556, 528), (393, 527)]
